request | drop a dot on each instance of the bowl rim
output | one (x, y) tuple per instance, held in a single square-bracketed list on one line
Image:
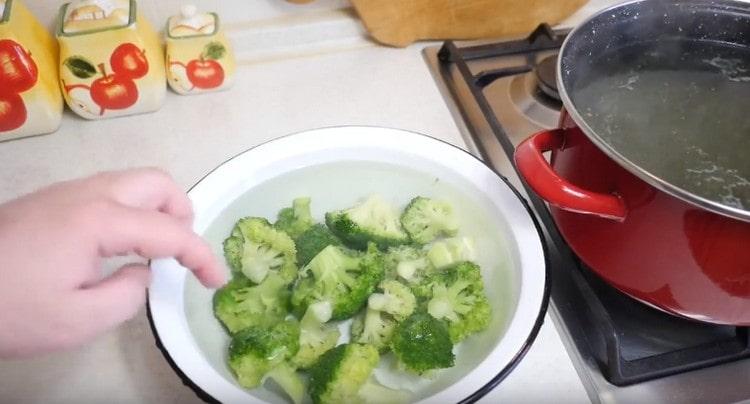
[(473, 397)]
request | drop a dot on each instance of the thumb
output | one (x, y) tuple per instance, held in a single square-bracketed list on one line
[(115, 299)]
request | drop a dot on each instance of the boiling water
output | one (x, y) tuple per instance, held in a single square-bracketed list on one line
[(679, 110)]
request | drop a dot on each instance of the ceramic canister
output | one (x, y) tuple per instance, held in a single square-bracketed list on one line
[(111, 59), (30, 102), (199, 57)]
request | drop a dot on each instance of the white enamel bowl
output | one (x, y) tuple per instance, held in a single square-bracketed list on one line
[(336, 167)]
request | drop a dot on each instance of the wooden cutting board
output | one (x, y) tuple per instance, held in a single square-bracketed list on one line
[(401, 22)]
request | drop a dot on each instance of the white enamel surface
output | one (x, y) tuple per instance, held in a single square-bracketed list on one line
[(214, 194)]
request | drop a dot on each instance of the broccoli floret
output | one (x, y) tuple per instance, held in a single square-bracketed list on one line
[(240, 304), (341, 372), (444, 253), (374, 220), (256, 249), (346, 278), (233, 250), (394, 299), (373, 392), (312, 241), (373, 327), (422, 343), (295, 220), (385, 309), (407, 263), (426, 219), (316, 338), (457, 296), (259, 353)]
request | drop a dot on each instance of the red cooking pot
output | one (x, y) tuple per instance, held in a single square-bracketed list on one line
[(649, 174)]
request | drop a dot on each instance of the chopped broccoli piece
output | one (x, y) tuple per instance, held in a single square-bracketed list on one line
[(295, 220), (256, 249), (316, 338), (287, 378), (240, 304), (376, 325), (258, 353), (374, 220), (422, 343), (444, 253), (233, 250), (373, 327), (407, 263), (395, 299), (346, 278), (341, 372), (457, 296), (312, 241), (373, 392), (426, 219)]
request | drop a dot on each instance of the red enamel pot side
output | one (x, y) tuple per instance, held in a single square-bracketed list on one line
[(657, 248)]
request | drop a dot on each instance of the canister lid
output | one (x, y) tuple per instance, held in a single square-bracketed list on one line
[(89, 16), (4, 11), (190, 23)]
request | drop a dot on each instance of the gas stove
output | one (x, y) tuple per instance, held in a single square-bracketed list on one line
[(502, 92)]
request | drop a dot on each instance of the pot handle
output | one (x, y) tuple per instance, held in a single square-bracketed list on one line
[(554, 189)]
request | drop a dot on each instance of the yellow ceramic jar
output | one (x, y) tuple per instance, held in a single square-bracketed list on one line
[(30, 102), (199, 57), (111, 59)]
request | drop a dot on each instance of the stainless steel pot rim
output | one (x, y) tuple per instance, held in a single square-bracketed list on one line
[(633, 168)]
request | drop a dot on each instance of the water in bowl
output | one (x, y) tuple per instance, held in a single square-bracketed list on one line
[(339, 185)]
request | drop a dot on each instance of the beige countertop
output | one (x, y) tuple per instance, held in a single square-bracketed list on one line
[(341, 81)]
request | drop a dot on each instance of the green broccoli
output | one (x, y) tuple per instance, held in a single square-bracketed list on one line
[(375, 326), (457, 296), (295, 220), (426, 219), (312, 241), (240, 304), (316, 338), (395, 299), (256, 249), (408, 263), (374, 220), (258, 353), (343, 375), (444, 253), (422, 343), (346, 278), (373, 392)]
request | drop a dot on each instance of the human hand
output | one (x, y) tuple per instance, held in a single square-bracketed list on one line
[(52, 243)]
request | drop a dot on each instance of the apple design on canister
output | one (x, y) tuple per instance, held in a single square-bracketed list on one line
[(18, 73), (111, 91), (205, 72)]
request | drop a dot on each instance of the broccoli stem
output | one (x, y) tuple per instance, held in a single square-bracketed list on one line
[(375, 393), (289, 381)]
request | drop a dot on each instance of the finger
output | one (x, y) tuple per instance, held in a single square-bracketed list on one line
[(151, 188), (113, 300), (153, 234)]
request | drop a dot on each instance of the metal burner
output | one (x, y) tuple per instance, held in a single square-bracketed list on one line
[(546, 74)]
